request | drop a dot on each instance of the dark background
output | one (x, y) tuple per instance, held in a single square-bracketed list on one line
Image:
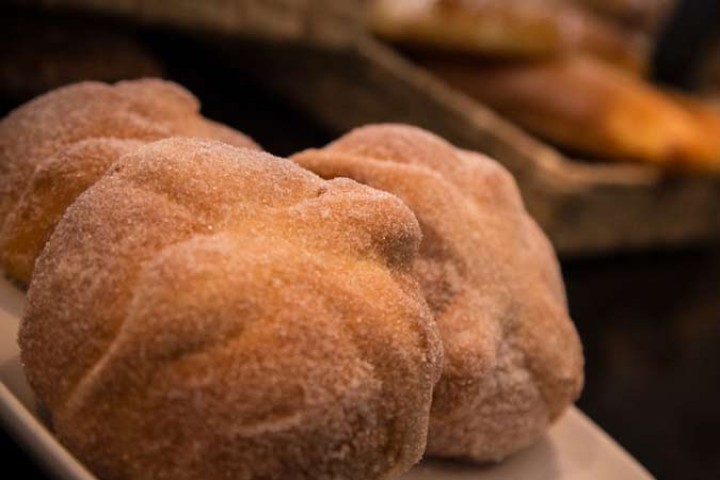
[(649, 321)]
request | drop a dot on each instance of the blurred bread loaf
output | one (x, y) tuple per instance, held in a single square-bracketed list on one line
[(568, 71), (506, 29), (593, 109)]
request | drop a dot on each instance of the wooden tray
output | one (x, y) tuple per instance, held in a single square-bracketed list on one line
[(309, 21), (317, 54), (584, 207)]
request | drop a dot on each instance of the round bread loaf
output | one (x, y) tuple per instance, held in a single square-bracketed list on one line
[(513, 360), (208, 312), (57, 145)]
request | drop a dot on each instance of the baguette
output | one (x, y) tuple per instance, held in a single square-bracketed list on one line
[(593, 109)]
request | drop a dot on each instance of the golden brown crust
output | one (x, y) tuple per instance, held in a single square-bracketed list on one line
[(54, 147), (507, 30), (593, 109), (210, 312), (513, 360)]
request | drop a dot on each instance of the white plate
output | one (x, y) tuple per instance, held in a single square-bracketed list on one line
[(574, 448)]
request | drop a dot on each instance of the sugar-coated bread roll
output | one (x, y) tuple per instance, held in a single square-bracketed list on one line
[(513, 360), (209, 312), (57, 145)]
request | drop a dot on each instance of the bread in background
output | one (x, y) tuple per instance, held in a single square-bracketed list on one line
[(592, 109), (506, 29)]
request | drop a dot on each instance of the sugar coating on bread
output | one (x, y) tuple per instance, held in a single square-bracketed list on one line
[(204, 311), (513, 360), (55, 146)]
